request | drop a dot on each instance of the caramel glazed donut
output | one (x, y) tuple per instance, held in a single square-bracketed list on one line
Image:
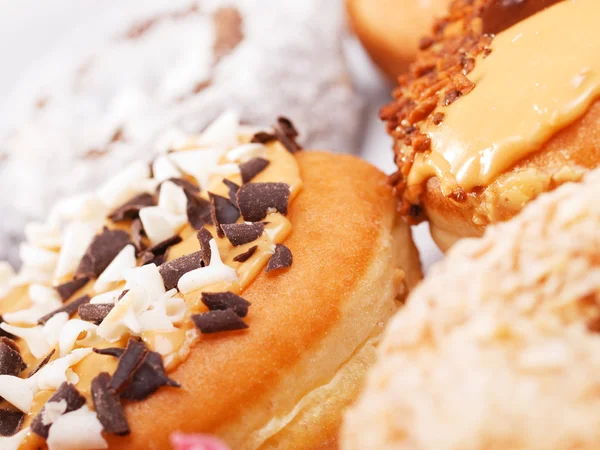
[(485, 122), (143, 307), (509, 356)]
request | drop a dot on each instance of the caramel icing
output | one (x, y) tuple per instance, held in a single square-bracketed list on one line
[(540, 77), (174, 346)]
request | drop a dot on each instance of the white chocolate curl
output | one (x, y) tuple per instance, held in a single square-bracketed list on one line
[(76, 430), (215, 272)]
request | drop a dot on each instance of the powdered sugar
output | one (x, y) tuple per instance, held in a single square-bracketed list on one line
[(105, 97)]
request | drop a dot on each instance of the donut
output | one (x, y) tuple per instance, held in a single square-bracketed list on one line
[(104, 95), (499, 347), (481, 126), (390, 30), (236, 287)]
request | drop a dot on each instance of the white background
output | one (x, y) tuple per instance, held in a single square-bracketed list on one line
[(31, 28)]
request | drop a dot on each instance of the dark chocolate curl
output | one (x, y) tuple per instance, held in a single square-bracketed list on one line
[(70, 308), (107, 404), (66, 290), (252, 167), (256, 200), (222, 211), (10, 421), (221, 301), (281, 259), (204, 237), (95, 313), (243, 233), (67, 393), (11, 362), (100, 253), (133, 357), (173, 270), (217, 321)]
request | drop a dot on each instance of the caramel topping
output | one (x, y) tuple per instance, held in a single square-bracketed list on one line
[(174, 345), (540, 77)]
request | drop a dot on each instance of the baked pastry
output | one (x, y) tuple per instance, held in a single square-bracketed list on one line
[(391, 30), (236, 286), (499, 347), (484, 124), (138, 71)]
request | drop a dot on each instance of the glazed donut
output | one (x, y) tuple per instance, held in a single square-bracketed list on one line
[(107, 95), (482, 126), (499, 347), (390, 30), (212, 306)]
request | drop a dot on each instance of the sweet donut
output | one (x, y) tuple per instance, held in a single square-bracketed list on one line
[(236, 286), (390, 30), (484, 123), (500, 347), (103, 97)]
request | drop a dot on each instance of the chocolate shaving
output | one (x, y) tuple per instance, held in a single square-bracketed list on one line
[(256, 200), (112, 351), (198, 211), (262, 137), (286, 134), (158, 253), (66, 392), (217, 321), (173, 270), (162, 247), (5, 333), (149, 377), (11, 362), (68, 289), (204, 237), (222, 211), (131, 209), (243, 257), (184, 184), (151, 258), (133, 357), (42, 363), (281, 259), (69, 308), (101, 252), (108, 406), (122, 294), (252, 167), (221, 301), (137, 235), (10, 421), (96, 312), (287, 127), (242, 233), (233, 189)]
